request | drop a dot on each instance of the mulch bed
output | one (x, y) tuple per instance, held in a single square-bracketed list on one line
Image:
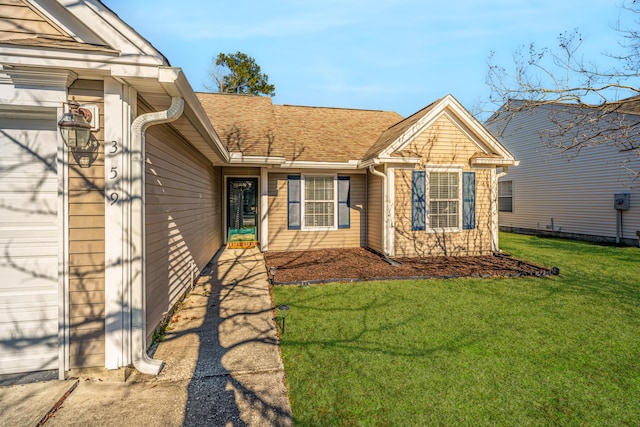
[(359, 264)]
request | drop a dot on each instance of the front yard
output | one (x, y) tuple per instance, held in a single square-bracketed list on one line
[(558, 350)]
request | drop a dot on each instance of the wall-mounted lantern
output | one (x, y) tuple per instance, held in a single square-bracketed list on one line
[(75, 126)]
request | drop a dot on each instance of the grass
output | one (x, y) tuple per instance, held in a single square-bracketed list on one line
[(562, 350)]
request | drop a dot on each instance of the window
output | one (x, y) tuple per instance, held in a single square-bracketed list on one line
[(505, 196), (444, 199), (319, 202), (452, 200)]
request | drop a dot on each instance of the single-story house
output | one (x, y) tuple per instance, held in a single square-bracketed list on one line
[(588, 192), (119, 184)]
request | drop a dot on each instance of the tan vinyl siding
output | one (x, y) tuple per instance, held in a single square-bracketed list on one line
[(21, 21), (183, 218), (86, 245), (444, 144), (374, 212), (283, 239), (575, 189)]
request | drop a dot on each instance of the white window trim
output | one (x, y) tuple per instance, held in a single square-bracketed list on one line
[(503, 196), (436, 168), (303, 184)]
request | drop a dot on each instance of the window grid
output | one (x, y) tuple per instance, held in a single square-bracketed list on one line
[(319, 206), (444, 199), (505, 196)]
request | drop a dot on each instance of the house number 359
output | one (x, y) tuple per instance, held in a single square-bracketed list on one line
[(113, 174)]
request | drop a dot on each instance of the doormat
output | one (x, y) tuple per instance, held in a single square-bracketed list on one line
[(242, 245)]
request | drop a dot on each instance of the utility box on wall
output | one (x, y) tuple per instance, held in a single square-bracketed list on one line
[(622, 201)]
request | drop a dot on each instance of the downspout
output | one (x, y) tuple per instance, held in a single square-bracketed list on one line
[(373, 170), (141, 360)]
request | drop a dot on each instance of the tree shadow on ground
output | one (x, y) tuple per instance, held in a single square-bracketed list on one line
[(238, 376)]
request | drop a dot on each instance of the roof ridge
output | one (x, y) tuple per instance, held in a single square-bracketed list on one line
[(335, 108)]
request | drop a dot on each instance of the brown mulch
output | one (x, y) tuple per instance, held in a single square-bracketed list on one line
[(328, 265)]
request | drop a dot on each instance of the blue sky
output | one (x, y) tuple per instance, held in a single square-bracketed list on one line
[(375, 54)]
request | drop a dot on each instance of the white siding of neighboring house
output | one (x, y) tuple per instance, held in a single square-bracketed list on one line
[(574, 190)]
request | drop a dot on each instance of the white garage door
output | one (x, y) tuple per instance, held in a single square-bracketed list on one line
[(28, 246)]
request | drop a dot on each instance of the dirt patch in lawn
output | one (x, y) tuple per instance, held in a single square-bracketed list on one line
[(329, 265)]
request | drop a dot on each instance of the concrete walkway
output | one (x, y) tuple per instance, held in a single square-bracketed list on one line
[(222, 365)]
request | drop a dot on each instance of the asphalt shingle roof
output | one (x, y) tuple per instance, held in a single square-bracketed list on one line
[(255, 126)]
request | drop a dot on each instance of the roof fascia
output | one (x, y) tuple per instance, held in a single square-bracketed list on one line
[(299, 164), (239, 158), (175, 83), (389, 161), (489, 161), (70, 59)]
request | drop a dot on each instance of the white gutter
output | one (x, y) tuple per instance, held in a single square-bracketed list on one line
[(373, 170), (141, 360), (239, 158)]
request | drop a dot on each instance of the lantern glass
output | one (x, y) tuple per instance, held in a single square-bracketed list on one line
[(75, 130)]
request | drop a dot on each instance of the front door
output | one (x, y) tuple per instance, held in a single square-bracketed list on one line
[(242, 211)]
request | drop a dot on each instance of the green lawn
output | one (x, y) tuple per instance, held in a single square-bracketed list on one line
[(560, 350)]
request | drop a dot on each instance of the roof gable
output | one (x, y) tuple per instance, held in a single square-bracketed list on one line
[(396, 139), (72, 25), (22, 21)]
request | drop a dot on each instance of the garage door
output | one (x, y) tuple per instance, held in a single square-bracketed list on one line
[(28, 246)]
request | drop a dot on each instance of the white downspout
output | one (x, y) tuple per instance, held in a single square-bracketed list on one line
[(385, 203), (141, 360)]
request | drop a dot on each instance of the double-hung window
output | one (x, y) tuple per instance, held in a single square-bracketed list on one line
[(443, 199), (505, 196), (319, 202)]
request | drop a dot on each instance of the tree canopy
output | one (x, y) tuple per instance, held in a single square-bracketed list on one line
[(602, 103), (239, 73)]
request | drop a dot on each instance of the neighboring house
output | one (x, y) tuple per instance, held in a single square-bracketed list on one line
[(99, 242), (567, 192)]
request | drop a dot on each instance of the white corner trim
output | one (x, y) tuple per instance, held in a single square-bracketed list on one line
[(391, 215), (495, 246), (117, 111), (63, 257), (264, 209)]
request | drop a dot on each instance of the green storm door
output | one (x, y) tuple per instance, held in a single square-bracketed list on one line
[(242, 209)]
